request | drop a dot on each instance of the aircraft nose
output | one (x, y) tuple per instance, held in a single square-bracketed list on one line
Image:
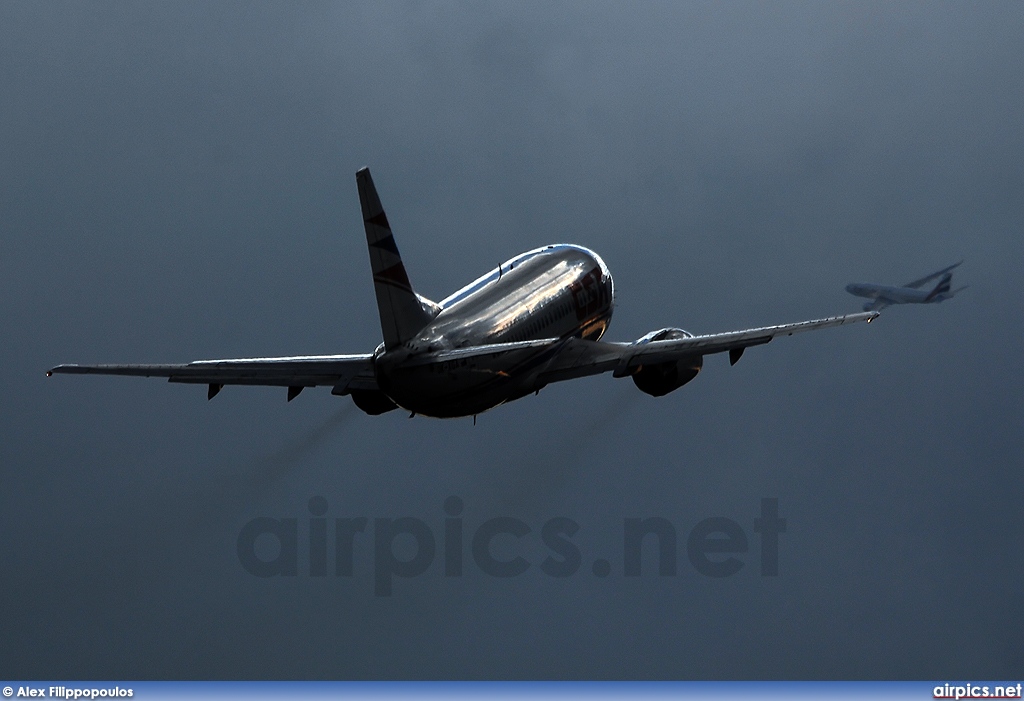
[(851, 287)]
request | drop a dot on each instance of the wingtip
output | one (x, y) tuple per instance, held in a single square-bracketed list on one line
[(63, 369)]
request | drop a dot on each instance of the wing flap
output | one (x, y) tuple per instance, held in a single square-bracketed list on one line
[(878, 304)]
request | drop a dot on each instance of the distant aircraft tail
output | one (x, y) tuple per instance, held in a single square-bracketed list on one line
[(928, 278), (403, 313), (941, 289)]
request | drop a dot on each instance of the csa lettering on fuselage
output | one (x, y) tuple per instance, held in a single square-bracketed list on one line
[(449, 365), (588, 294)]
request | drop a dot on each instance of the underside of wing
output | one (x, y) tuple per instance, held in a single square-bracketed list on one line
[(736, 341), (580, 358), (482, 351), (339, 371)]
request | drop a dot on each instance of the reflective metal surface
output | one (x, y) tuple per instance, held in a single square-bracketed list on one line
[(556, 292)]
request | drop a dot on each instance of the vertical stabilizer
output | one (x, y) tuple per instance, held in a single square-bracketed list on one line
[(403, 313), (941, 288)]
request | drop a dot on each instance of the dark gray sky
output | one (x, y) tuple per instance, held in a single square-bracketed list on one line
[(176, 182)]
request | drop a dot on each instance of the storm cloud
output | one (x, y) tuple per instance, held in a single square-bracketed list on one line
[(176, 183)]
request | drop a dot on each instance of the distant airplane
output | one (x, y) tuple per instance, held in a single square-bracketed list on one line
[(535, 320), (882, 296)]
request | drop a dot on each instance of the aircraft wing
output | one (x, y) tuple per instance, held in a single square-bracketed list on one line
[(293, 372), (877, 304), (929, 278), (553, 360), (580, 358)]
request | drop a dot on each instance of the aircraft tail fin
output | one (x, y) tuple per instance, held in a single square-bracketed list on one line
[(928, 278), (403, 313), (941, 288)]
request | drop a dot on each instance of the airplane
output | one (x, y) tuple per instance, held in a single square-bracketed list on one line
[(537, 319), (882, 296)]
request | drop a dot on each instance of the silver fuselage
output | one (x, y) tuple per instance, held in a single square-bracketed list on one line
[(559, 291)]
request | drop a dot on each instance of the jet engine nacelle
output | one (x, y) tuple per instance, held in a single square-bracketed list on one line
[(372, 401), (659, 379)]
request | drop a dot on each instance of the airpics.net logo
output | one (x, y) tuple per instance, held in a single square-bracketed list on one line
[(407, 547), (977, 691)]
